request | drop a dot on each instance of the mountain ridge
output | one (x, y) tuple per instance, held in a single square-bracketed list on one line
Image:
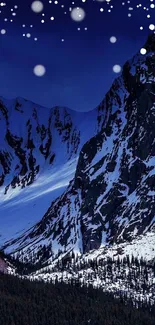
[(38, 155), (110, 197)]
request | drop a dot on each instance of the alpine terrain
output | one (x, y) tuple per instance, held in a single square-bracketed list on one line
[(78, 189)]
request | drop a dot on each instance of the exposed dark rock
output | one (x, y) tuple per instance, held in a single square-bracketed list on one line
[(112, 196)]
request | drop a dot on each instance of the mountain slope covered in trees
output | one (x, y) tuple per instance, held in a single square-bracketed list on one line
[(23, 302)]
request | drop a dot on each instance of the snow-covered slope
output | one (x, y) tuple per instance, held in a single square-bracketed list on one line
[(39, 149), (110, 199), (125, 269), (108, 207)]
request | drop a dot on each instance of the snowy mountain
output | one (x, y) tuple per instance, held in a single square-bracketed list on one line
[(127, 270), (105, 207), (39, 148), (111, 196)]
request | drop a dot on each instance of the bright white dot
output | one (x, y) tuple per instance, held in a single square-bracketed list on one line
[(151, 27), (3, 31), (113, 39), (39, 70), (78, 14), (143, 51), (37, 6), (116, 68)]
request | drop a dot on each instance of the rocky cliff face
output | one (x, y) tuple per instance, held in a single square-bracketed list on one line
[(31, 137), (39, 148), (111, 197)]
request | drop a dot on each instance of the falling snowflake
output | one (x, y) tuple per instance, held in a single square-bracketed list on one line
[(117, 68), (78, 14), (3, 31), (143, 51), (37, 6), (113, 39), (39, 70)]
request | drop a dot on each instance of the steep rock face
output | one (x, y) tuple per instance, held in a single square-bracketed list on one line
[(30, 137), (111, 197), (39, 148)]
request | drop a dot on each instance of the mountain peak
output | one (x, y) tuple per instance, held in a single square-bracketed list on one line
[(110, 197), (150, 43)]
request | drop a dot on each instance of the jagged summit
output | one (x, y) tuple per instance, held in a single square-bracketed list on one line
[(88, 178), (110, 197), (39, 148), (150, 43), (77, 189)]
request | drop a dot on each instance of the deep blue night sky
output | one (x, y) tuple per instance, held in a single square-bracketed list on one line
[(78, 70)]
